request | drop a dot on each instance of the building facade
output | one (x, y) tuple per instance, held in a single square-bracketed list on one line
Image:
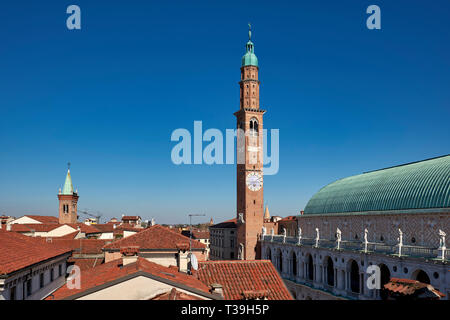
[(223, 240), (395, 218)]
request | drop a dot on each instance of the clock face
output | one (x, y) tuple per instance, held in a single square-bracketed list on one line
[(254, 181)]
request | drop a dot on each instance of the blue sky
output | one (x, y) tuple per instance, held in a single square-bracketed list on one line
[(107, 98)]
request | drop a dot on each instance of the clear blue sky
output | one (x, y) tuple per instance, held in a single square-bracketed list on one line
[(107, 98)]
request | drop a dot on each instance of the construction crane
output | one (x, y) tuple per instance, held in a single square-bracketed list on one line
[(97, 216)]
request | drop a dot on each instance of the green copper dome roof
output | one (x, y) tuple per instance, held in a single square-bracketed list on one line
[(249, 58), (68, 187), (419, 185)]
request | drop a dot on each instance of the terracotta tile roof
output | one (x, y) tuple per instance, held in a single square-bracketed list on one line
[(174, 294), (410, 287), (128, 227), (109, 227), (70, 236), (244, 277), (43, 219), (196, 234), (84, 227), (85, 264), (155, 237), (111, 271), (130, 218), (289, 218), (81, 246), (106, 227), (232, 223), (18, 251), (37, 227)]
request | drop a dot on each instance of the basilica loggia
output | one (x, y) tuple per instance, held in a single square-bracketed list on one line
[(393, 221)]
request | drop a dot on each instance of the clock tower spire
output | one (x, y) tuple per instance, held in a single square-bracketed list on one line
[(250, 198)]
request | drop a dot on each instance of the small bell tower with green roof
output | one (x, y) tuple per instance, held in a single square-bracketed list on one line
[(68, 200)]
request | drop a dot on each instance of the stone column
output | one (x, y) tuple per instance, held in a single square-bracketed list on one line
[(335, 278)]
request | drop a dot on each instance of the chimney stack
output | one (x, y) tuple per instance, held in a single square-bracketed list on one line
[(216, 288), (129, 254), (182, 257)]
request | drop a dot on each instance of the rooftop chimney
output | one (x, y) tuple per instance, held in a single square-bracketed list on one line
[(216, 288), (182, 257), (129, 254)]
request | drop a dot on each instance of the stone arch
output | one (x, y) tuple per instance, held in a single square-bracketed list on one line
[(329, 267), (421, 276), (279, 257), (294, 294), (294, 263), (309, 267), (385, 277), (353, 271), (268, 254)]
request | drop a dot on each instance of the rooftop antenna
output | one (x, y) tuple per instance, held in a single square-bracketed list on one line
[(190, 227)]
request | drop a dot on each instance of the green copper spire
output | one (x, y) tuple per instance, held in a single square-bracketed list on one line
[(249, 59), (68, 187)]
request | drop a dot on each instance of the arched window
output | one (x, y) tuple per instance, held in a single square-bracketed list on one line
[(354, 277), (330, 272), (385, 276), (421, 276), (294, 264), (253, 126), (269, 254), (280, 261), (310, 268)]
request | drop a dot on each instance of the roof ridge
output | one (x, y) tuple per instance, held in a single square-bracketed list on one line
[(408, 163)]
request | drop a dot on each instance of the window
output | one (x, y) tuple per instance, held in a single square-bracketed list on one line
[(231, 255), (52, 274), (60, 270), (41, 280)]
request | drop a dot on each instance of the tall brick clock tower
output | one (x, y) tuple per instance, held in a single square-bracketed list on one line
[(250, 198), (68, 201)]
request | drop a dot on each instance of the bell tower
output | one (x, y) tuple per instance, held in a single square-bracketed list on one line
[(68, 201), (250, 198)]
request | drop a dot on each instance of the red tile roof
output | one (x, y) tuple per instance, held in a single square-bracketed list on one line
[(82, 246), (70, 236), (196, 234), (106, 227), (86, 263), (174, 294), (130, 218), (43, 219), (232, 223), (18, 251), (409, 287), (37, 227), (155, 237), (288, 218), (112, 271), (244, 277), (84, 227)]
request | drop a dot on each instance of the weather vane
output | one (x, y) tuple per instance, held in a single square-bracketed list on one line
[(68, 165), (249, 31)]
